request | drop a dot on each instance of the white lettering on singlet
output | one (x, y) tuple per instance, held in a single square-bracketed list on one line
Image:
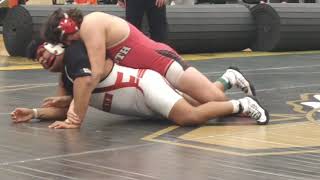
[(121, 54)]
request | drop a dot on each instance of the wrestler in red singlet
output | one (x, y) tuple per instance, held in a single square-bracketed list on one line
[(135, 52)]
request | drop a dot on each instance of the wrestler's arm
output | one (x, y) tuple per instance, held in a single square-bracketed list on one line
[(61, 100), (26, 114), (81, 96), (75, 114), (43, 113), (67, 124), (92, 34)]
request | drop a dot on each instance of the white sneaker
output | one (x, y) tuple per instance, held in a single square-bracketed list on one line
[(236, 78), (251, 107)]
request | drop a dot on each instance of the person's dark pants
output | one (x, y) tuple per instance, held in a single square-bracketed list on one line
[(157, 17)]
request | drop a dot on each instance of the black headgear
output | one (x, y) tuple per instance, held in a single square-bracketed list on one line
[(31, 51)]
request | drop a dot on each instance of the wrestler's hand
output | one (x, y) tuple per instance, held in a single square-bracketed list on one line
[(57, 101), (63, 125), (121, 3), (160, 3), (21, 115), (72, 117)]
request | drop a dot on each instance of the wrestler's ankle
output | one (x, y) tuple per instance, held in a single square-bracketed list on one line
[(237, 108), (225, 82)]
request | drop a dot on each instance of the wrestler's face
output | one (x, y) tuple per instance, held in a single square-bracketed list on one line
[(51, 62), (71, 37)]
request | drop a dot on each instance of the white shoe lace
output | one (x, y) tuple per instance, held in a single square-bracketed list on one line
[(240, 82), (242, 85), (254, 112)]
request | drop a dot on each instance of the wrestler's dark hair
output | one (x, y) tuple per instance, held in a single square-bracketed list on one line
[(31, 51), (50, 30)]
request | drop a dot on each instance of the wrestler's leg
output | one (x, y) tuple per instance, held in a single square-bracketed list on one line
[(185, 114), (199, 87), (190, 100), (162, 98), (193, 83)]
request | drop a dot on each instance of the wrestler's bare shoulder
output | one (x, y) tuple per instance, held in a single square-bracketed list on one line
[(115, 28), (99, 16), (99, 19)]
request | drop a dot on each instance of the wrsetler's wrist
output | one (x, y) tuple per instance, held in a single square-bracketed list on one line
[(35, 113)]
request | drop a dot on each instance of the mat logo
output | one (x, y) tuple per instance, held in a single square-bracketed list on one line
[(241, 136), (314, 105), (308, 104)]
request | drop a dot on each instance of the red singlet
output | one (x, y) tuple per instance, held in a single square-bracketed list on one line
[(138, 51)]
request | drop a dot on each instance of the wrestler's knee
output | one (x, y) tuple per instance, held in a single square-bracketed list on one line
[(219, 95), (197, 85), (183, 114)]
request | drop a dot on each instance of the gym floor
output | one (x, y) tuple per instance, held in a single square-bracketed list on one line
[(118, 147)]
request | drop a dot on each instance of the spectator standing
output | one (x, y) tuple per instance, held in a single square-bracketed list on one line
[(156, 15)]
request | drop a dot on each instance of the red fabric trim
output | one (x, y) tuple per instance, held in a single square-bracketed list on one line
[(141, 73), (133, 82)]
